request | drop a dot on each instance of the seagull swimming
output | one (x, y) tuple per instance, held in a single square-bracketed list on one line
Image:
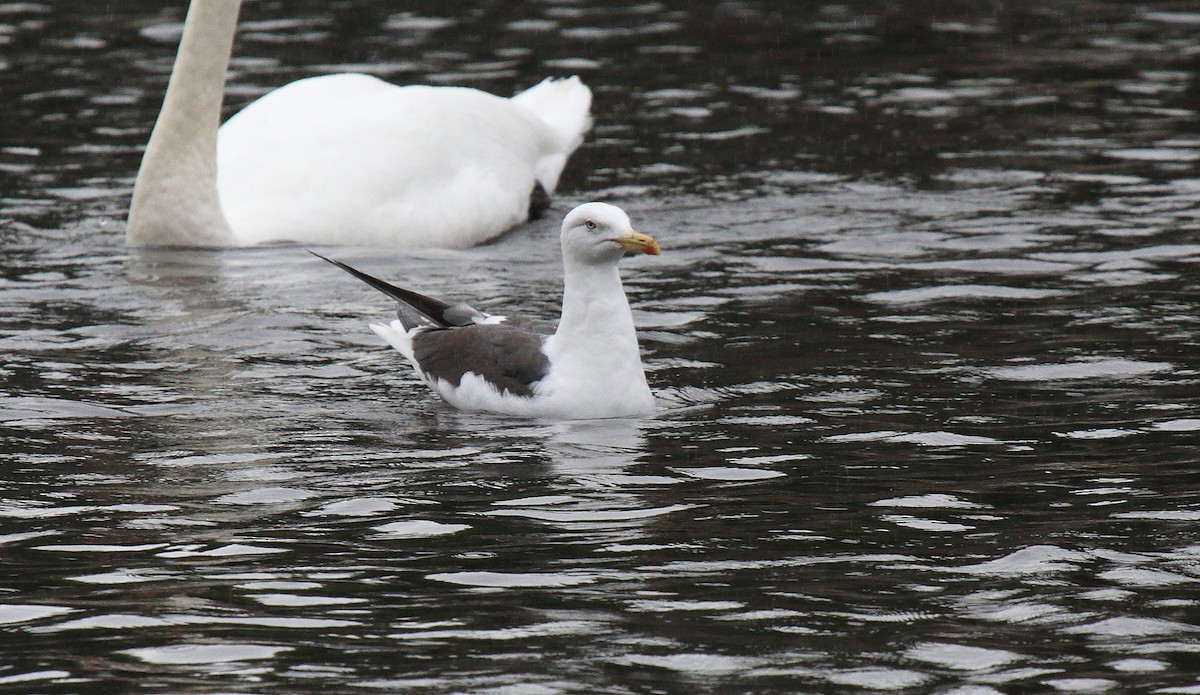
[(589, 366)]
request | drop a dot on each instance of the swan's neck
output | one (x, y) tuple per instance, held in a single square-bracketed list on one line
[(175, 196)]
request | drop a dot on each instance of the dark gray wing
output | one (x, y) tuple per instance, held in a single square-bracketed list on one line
[(455, 340), (509, 358), (531, 325)]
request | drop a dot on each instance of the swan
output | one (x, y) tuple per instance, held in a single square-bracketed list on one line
[(344, 158)]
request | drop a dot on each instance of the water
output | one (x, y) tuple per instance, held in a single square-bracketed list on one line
[(924, 331)]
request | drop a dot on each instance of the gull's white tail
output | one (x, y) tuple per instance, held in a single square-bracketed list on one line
[(397, 337)]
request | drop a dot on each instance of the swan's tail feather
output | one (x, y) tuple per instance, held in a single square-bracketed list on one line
[(565, 105)]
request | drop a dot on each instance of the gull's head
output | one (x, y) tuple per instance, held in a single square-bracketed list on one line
[(601, 233)]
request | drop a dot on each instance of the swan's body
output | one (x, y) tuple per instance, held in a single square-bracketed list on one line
[(344, 159), (587, 367)]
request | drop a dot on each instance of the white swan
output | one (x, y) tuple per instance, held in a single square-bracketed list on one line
[(343, 159)]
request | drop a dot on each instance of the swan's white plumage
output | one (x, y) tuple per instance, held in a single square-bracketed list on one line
[(592, 366), (345, 159), (386, 165)]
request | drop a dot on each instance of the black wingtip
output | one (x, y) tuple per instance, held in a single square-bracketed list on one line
[(432, 309), (353, 271), (387, 288)]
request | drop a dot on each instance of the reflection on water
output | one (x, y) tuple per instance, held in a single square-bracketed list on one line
[(924, 337)]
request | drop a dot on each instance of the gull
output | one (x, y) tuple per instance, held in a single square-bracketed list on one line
[(587, 366)]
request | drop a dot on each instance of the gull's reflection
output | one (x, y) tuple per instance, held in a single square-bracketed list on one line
[(598, 491), (583, 448)]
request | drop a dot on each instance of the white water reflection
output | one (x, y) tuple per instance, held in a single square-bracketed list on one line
[(1091, 369), (417, 528), (962, 657), (206, 653), (511, 580), (10, 613)]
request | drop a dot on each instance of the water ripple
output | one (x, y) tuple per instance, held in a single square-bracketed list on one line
[(889, 344), (503, 580), (181, 654), (1096, 368), (961, 657)]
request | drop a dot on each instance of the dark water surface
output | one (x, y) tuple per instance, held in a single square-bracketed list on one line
[(926, 333)]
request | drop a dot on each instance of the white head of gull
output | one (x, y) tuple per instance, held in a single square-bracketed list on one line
[(588, 366), (346, 158)]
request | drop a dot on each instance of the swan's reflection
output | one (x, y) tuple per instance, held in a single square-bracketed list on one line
[(189, 277), (204, 323)]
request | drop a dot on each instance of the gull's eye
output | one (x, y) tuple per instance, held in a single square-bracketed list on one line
[(590, 225)]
